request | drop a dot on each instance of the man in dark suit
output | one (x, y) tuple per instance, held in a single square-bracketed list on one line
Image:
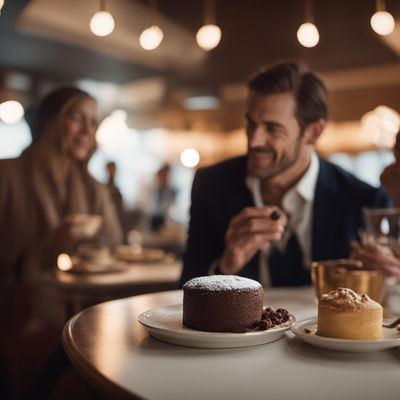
[(268, 214)]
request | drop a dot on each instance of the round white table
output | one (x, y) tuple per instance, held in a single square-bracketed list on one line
[(118, 357)]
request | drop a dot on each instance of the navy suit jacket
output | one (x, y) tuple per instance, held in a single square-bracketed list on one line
[(219, 192)]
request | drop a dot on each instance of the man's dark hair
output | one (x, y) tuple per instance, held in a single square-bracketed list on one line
[(306, 86)]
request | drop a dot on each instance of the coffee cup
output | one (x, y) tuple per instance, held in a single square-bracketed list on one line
[(83, 226), (328, 275)]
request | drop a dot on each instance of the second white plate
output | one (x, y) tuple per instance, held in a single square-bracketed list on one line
[(92, 267), (130, 254), (306, 330), (165, 324)]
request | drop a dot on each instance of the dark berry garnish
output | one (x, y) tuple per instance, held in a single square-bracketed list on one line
[(269, 319)]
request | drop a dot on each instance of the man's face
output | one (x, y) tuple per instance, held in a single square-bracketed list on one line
[(273, 134)]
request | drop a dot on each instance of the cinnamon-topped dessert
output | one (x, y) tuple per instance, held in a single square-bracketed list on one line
[(222, 303), (345, 314)]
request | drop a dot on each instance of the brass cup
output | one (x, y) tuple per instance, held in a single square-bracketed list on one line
[(347, 273)]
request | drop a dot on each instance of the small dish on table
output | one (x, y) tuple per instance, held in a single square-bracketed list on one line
[(307, 331)]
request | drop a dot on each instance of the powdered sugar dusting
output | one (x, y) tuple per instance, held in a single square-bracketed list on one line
[(221, 283), (348, 299)]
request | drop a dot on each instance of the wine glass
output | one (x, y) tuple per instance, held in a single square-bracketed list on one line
[(382, 226)]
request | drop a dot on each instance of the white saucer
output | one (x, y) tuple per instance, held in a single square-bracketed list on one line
[(306, 330), (165, 324), (131, 254), (80, 266)]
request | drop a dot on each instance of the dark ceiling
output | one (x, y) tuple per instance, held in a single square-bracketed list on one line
[(255, 32), (54, 60), (258, 32)]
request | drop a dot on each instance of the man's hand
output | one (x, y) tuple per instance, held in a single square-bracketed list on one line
[(374, 256), (251, 230)]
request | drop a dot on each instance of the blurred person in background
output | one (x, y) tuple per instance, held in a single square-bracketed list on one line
[(38, 190), (162, 198), (390, 177), (371, 253), (115, 193)]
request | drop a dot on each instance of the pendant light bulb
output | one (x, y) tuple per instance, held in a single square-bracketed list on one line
[(151, 37), (382, 23), (208, 36), (308, 35), (102, 23)]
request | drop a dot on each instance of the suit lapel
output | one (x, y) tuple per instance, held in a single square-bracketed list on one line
[(326, 215), (239, 194)]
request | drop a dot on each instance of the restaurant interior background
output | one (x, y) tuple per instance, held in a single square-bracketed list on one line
[(157, 104)]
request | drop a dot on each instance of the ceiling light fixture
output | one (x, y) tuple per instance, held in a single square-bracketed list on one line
[(1, 5), (209, 35), (307, 34), (102, 23), (152, 37), (382, 22)]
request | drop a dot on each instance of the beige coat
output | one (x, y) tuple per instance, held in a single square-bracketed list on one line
[(32, 206)]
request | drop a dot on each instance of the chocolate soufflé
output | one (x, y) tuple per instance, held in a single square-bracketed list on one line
[(222, 303)]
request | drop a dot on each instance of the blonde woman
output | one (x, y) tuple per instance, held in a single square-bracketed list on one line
[(38, 190), (50, 181)]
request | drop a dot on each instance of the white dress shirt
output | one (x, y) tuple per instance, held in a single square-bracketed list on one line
[(297, 204)]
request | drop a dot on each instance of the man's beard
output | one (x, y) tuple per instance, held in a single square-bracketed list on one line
[(275, 167)]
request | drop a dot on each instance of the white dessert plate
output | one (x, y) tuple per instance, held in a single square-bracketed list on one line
[(306, 330), (165, 324)]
